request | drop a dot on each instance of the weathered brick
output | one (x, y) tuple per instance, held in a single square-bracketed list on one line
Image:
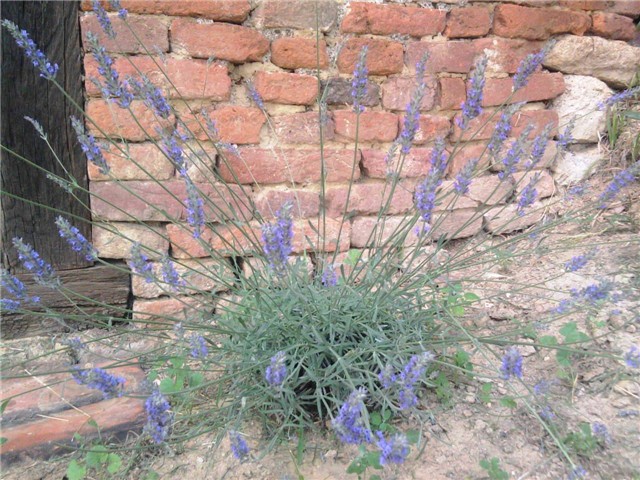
[(55, 435), (458, 223), (338, 92), (452, 93), (482, 129), (373, 126), (629, 8), (366, 231), (541, 86), (545, 185), (151, 201), (302, 128), (384, 57), (306, 203), (299, 14), (226, 240), (415, 164), (430, 127), (397, 92), (115, 239), (468, 22), (192, 78), (153, 33), (165, 312), (287, 88), (505, 219), (117, 122), (132, 164), (505, 54), (305, 235), (202, 275), (297, 52), (267, 166), (454, 57), (235, 124), (393, 19), (514, 21), (490, 189), (464, 154), (219, 40), (232, 11), (613, 26), (448, 199), (368, 199)]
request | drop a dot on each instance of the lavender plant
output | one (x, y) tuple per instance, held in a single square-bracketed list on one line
[(305, 335)]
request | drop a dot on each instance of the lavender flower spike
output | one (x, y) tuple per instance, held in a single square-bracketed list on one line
[(514, 154), (529, 65), (412, 117), (14, 287), (359, 82), (425, 194), (77, 241), (503, 129), (195, 209), (99, 379), (528, 195), (122, 12), (254, 95), (620, 180), (90, 146), (43, 273), (463, 179), (239, 446), (472, 106), (619, 97), (394, 450), (151, 96), (276, 372), (140, 264), (199, 348), (409, 376), (159, 417), (349, 425), (113, 89), (632, 357), (170, 275), (103, 19), (511, 364), (276, 239), (38, 59)]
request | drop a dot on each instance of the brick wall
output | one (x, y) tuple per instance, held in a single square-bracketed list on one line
[(210, 47)]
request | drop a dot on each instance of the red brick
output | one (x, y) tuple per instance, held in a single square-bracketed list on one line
[(630, 8), (129, 163), (219, 40), (115, 239), (415, 164), (452, 93), (152, 32), (299, 14), (513, 21), (454, 57), (295, 53), (373, 126), (267, 166), (384, 57), (490, 189), (538, 118), (368, 199), (464, 153), (335, 237), (161, 313), (114, 121), (505, 54), (305, 203), (449, 200), (151, 201), (226, 240), (505, 219), (287, 88), (541, 86), (232, 11), (430, 127), (303, 128), (468, 22), (613, 26), (192, 78), (48, 436), (235, 124), (397, 92), (393, 19)]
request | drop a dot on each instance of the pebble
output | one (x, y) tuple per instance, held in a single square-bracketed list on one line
[(480, 424), (631, 329), (467, 413), (470, 399), (527, 350)]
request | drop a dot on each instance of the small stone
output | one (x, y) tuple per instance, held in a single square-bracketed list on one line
[(502, 390), (616, 321), (480, 424), (527, 350), (631, 329), (467, 413), (470, 399)]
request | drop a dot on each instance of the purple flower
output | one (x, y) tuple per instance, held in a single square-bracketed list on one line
[(99, 379), (14, 287), (122, 12), (195, 208), (169, 273), (140, 264), (577, 473), (103, 19), (89, 146), (463, 179), (359, 82), (406, 379), (546, 413), (514, 154), (276, 239), (254, 95), (159, 417), (593, 293), (113, 89), (387, 377), (394, 450), (472, 106), (77, 241), (349, 425), (619, 97), (539, 147), (565, 138), (38, 59), (632, 357), (529, 65), (503, 129), (511, 364), (329, 276), (151, 96), (620, 180), (601, 432), (425, 193), (528, 195), (172, 149), (276, 372), (412, 117), (199, 348), (239, 446), (576, 263), (43, 273)]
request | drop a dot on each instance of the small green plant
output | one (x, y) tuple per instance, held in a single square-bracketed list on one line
[(582, 441), (95, 460), (493, 469)]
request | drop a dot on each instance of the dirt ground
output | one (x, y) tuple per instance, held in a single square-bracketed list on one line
[(470, 429)]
